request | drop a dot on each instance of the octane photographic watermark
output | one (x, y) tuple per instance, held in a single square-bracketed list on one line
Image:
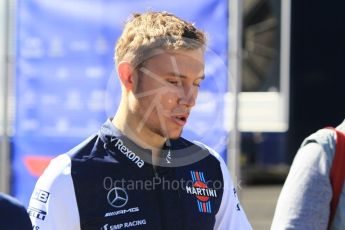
[(156, 182)]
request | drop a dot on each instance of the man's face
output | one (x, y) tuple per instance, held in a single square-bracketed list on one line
[(166, 90)]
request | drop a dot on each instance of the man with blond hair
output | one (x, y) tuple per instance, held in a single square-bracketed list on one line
[(137, 172)]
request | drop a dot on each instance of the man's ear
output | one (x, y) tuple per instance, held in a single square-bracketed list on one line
[(125, 71)]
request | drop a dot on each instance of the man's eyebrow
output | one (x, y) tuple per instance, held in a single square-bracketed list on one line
[(177, 75), (202, 77)]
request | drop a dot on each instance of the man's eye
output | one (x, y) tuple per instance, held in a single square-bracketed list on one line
[(173, 82)]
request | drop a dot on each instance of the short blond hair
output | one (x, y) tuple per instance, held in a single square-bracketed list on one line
[(143, 33)]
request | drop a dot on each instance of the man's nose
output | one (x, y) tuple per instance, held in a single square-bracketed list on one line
[(188, 96)]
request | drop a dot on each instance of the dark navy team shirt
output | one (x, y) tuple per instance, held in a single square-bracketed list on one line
[(109, 182), (13, 215)]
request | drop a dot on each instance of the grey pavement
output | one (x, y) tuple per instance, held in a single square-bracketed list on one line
[(259, 201)]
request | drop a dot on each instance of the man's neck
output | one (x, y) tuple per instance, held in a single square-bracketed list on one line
[(145, 138)]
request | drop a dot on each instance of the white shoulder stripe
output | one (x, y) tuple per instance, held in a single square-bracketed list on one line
[(60, 207)]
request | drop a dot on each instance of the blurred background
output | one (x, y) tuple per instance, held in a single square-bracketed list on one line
[(273, 67)]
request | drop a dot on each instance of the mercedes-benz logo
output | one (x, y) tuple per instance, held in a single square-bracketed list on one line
[(117, 197)]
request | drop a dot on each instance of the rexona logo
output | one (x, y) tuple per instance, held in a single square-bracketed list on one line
[(129, 224), (201, 191), (128, 153)]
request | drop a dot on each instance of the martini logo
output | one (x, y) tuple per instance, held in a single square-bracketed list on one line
[(201, 191)]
